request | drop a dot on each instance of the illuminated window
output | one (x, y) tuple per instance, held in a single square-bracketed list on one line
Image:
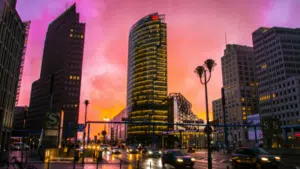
[(71, 77), (244, 118), (243, 108), (263, 66), (72, 30), (71, 35), (243, 99), (81, 36), (78, 78)]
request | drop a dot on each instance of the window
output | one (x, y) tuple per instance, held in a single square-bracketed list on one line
[(71, 35), (81, 36), (71, 77)]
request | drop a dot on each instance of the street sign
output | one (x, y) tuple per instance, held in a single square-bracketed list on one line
[(80, 127), (52, 120), (207, 130)]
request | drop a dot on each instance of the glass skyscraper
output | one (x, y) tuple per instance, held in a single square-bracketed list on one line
[(147, 77)]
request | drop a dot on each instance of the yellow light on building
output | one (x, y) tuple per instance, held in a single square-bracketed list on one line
[(71, 35), (70, 77), (72, 30), (81, 36)]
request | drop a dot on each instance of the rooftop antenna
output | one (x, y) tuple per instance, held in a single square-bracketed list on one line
[(225, 39)]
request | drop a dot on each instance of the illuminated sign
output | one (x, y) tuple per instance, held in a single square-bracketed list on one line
[(155, 17)]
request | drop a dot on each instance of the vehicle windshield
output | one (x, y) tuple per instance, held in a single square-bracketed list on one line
[(178, 153), (260, 151)]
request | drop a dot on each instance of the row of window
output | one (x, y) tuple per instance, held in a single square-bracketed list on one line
[(74, 77)]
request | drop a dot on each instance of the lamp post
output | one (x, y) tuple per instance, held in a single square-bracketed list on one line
[(202, 71), (86, 103)]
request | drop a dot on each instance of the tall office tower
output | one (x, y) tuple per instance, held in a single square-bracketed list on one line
[(147, 77), (12, 35), (277, 56), (62, 60), (240, 89)]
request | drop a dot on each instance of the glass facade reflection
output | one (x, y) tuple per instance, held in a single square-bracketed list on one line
[(147, 76)]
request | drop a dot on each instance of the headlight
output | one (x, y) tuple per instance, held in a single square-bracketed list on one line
[(193, 159), (277, 158), (150, 152), (179, 160), (159, 152), (264, 159)]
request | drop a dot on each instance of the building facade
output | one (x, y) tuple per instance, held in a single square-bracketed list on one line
[(277, 56), (117, 132), (217, 108), (12, 36), (60, 75), (27, 27), (240, 89), (180, 111), (147, 77)]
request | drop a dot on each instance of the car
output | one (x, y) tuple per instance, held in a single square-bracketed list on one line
[(178, 159), (254, 158), (105, 147), (153, 153), (132, 150), (115, 150)]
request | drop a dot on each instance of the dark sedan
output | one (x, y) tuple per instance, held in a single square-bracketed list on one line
[(153, 153), (177, 159), (257, 158)]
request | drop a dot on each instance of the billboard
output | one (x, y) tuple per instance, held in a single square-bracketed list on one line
[(254, 120)]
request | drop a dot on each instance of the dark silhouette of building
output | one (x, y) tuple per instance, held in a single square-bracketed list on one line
[(20, 114), (147, 77), (62, 62), (12, 36)]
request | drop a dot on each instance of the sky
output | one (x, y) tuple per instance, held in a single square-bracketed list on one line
[(195, 32)]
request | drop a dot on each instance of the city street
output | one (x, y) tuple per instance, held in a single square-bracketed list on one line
[(131, 161)]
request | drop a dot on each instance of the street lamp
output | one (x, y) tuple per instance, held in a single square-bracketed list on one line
[(86, 103), (201, 71)]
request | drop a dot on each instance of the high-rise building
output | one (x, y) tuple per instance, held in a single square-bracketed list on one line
[(62, 60), (277, 58), (147, 76), (240, 89), (12, 36)]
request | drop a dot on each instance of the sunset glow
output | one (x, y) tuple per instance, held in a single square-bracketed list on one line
[(195, 31)]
